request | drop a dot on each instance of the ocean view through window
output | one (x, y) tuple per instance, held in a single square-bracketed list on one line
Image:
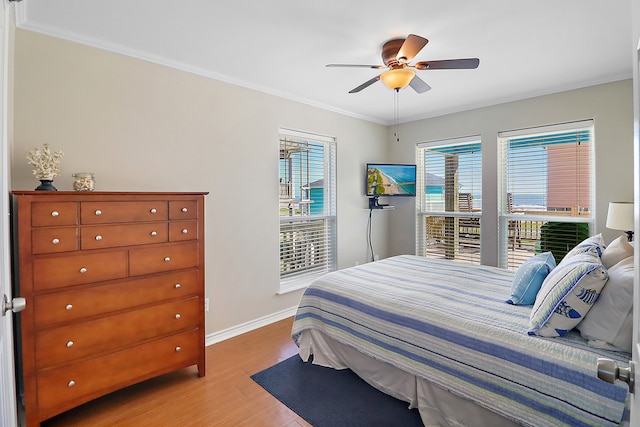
[(546, 190), (545, 187)]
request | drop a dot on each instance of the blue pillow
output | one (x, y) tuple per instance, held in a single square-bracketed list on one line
[(529, 277)]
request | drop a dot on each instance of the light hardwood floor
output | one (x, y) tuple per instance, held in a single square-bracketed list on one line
[(226, 396)]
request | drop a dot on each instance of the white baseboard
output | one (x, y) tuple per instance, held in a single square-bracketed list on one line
[(249, 326)]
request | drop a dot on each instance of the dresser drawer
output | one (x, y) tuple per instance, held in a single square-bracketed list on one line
[(97, 300), (183, 230), (109, 212), (45, 214), (65, 344), (68, 386), (58, 271), (183, 209), (52, 240), (170, 257), (110, 236)]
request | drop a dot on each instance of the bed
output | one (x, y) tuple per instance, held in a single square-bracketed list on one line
[(439, 335)]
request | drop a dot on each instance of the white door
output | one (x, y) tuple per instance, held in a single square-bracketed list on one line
[(7, 380), (635, 30)]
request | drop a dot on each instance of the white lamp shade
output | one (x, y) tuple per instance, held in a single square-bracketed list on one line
[(620, 216)]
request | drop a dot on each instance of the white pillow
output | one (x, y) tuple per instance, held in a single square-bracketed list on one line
[(617, 250), (609, 323), (567, 295)]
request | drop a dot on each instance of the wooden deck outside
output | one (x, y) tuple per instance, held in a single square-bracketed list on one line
[(469, 251), (524, 237)]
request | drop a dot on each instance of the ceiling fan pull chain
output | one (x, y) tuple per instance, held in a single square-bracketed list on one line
[(395, 109)]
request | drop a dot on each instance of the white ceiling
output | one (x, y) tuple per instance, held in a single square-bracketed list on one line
[(526, 48)]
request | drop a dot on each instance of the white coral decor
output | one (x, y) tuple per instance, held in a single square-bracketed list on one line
[(47, 163)]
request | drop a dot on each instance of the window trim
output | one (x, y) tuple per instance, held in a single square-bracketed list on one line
[(421, 215), (302, 279), (504, 216)]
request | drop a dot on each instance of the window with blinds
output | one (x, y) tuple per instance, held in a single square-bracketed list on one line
[(449, 204), (546, 191), (307, 203)]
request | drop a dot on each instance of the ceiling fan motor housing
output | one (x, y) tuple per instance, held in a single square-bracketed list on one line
[(389, 52)]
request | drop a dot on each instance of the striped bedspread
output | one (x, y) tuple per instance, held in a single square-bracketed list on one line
[(447, 322)]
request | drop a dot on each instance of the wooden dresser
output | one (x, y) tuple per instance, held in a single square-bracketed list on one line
[(114, 284)]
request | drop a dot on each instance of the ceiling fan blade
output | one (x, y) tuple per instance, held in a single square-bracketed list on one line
[(355, 65), (365, 84), (419, 85), (448, 64), (410, 48)]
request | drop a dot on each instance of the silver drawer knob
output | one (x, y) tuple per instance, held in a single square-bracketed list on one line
[(55, 241), (185, 231), (184, 209), (71, 383), (153, 210), (69, 344), (154, 233), (55, 213), (98, 238), (83, 270), (68, 307), (178, 286), (167, 259), (98, 212), (178, 315), (178, 348)]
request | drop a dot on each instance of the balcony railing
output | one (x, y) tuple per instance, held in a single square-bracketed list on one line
[(458, 237), (304, 247)]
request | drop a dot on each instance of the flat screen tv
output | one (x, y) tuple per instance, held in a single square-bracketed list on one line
[(390, 179)]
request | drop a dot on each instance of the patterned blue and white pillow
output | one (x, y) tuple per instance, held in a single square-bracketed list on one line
[(567, 295), (593, 244), (529, 277)]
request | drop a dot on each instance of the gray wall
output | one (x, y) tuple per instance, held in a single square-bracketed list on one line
[(143, 127)]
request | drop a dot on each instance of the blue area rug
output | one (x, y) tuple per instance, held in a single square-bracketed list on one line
[(326, 397)]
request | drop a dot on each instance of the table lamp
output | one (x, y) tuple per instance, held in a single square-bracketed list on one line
[(620, 217)]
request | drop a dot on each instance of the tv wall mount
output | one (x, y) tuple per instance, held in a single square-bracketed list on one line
[(374, 203)]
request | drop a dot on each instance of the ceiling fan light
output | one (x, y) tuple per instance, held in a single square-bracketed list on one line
[(398, 78)]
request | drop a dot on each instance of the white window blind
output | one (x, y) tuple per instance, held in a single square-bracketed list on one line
[(546, 191), (307, 203), (449, 202)]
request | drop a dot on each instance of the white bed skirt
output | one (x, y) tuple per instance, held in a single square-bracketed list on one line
[(437, 406)]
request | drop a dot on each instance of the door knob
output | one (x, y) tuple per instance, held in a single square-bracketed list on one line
[(609, 371), (15, 305)]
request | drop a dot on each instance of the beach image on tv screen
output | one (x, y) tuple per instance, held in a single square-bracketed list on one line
[(391, 180)]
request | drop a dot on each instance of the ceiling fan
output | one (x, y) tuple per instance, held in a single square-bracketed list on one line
[(397, 54)]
